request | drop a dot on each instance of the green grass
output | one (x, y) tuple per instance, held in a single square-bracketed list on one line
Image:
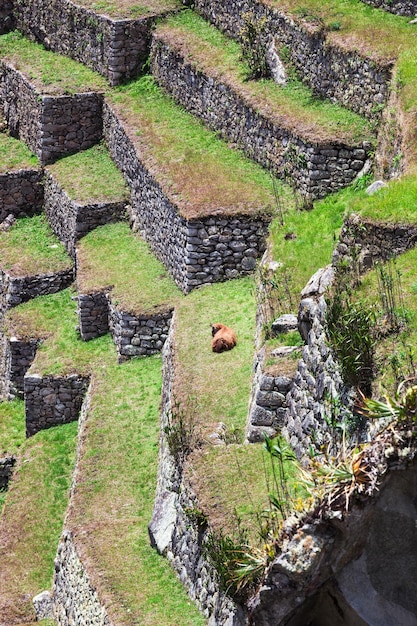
[(113, 507), (90, 176), (130, 8), (396, 203), (52, 73), (102, 258), (30, 248), (293, 105), (33, 517), (200, 171), (53, 317), (12, 426), (15, 155), (215, 387)]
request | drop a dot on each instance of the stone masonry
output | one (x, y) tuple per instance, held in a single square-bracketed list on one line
[(21, 193), (316, 168), (51, 126), (15, 289)]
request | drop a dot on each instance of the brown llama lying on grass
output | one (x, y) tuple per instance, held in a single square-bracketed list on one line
[(224, 338)]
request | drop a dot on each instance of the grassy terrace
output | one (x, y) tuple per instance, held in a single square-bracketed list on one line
[(15, 155), (90, 176), (30, 247), (114, 256), (198, 171), (292, 106), (130, 8), (51, 73)]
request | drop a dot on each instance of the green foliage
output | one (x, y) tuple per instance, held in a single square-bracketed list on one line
[(280, 498), (349, 327), (253, 39), (180, 432)]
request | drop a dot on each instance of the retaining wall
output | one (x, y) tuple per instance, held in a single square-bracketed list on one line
[(51, 401), (70, 220), (399, 7), (173, 532), (342, 75), (21, 193), (7, 464), (15, 289), (116, 48), (362, 242), (51, 126), (316, 168), (93, 314), (20, 354), (6, 16), (211, 249)]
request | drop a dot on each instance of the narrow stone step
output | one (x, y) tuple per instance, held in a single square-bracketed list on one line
[(203, 207), (83, 191), (123, 288), (21, 189), (50, 102), (113, 40), (317, 145)]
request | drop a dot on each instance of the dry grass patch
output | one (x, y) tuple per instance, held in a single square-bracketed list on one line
[(293, 107), (113, 256), (51, 73), (199, 172), (31, 248), (90, 176)]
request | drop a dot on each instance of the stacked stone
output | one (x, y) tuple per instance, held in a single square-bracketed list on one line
[(20, 356), (51, 401), (7, 464), (339, 74), (316, 168), (138, 335), (51, 126), (14, 291), (268, 406), (115, 48), (75, 600), (21, 193), (93, 314), (194, 251), (363, 242), (6, 16), (399, 7), (70, 220)]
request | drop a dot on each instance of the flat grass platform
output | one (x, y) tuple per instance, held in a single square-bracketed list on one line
[(130, 9), (15, 155), (113, 256), (293, 106), (50, 73), (90, 177), (31, 248), (197, 171)]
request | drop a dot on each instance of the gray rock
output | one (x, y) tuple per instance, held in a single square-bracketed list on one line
[(285, 323), (42, 603), (376, 186)]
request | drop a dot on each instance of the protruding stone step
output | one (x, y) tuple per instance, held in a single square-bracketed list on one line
[(319, 147), (115, 44), (51, 103), (204, 209)]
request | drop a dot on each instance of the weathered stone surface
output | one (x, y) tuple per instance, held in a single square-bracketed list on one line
[(21, 193), (375, 186), (42, 603), (399, 7), (284, 323), (7, 464)]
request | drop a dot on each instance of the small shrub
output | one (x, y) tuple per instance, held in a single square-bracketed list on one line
[(253, 40), (180, 432)]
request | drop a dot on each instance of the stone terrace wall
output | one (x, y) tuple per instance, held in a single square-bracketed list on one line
[(172, 532), (343, 76), (268, 405), (7, 464), (399, 7), (363, 242), (195, 251), (93, 314), (115, 48), (50, 400), (6, 16), (21, 193), (15, 290), (19, 357), (51, 126), (75, 601), (138, 335), (70, 221), (317, 169)]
